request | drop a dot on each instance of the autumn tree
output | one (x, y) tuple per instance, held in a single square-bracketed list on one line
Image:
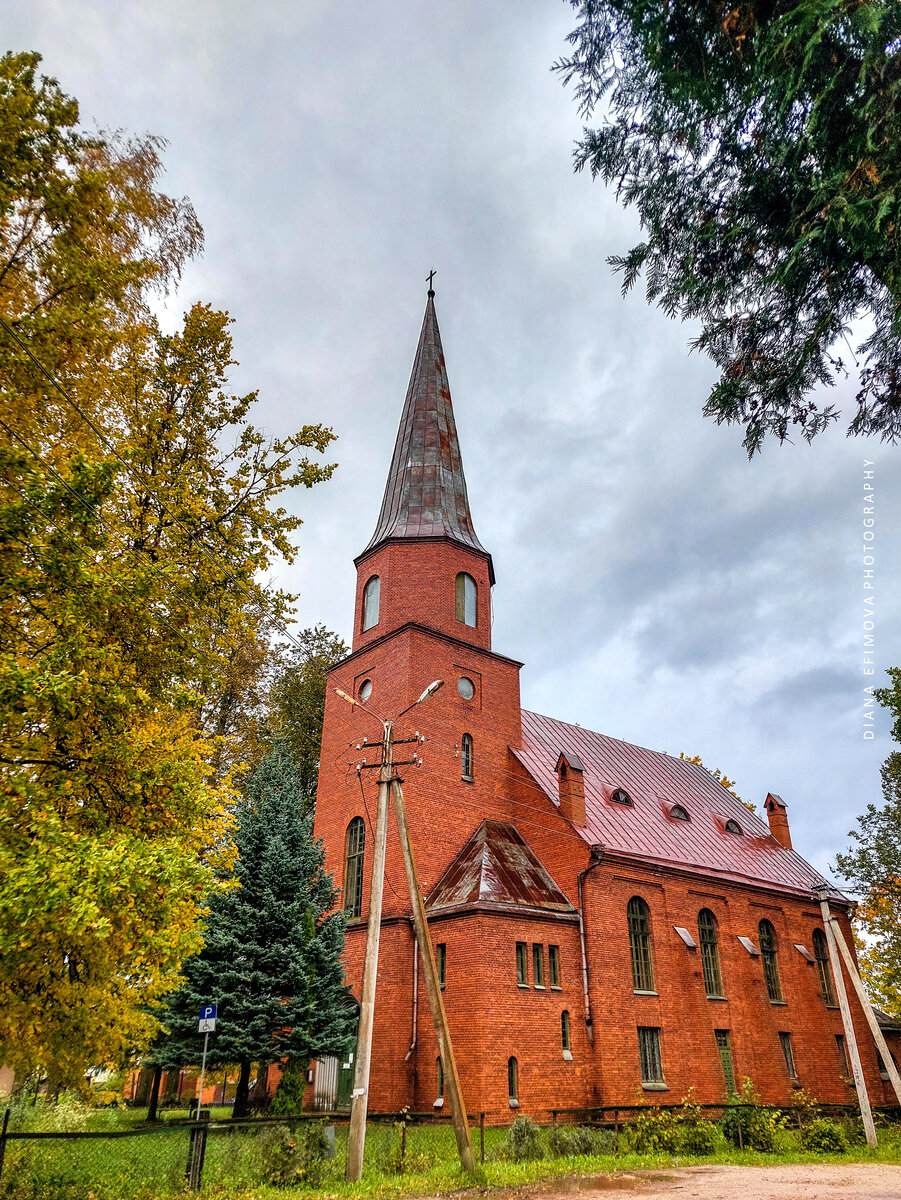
[(728, 784), (298, 700), (759, 142), (139, 515), (273, 943), (873, 868)]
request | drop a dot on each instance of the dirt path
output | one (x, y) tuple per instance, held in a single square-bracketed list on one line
[(818, 1181)]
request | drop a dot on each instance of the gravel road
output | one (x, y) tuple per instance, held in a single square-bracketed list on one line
[(818, 1181)]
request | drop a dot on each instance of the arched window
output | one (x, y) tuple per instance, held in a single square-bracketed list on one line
[(770, 965), (465, 598), (733, 827), (466, 755), (619, 796), (640, 944), (353, 870), (821, 954), (513, 1082), (710, 953), (371, 596), (564, 1030), (678, 813)]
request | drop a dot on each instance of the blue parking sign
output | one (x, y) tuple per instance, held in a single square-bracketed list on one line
[(208, 1012)]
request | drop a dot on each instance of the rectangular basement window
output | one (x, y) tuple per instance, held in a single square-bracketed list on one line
[(649, 1058), (522, 977), (785, 1040), (442, 970), (553, 966), (538, 966)]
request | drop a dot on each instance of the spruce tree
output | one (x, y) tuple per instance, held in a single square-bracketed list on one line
[(271, 959)]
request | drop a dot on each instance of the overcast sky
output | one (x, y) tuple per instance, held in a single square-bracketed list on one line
[(658, 586)]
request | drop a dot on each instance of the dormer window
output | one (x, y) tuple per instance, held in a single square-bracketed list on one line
[(465, 593), (678, 813), (371, 596), (620, 797), (733, 827)]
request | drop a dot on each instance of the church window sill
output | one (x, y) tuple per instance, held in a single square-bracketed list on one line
[(779, 1003), (643, 992), (567, 1055), (539, 987), (720, 998), (655, 1087)]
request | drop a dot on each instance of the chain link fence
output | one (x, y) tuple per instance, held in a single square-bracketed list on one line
[(172, 1157)]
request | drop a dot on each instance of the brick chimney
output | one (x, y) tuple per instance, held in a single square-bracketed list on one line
[(775, 814), (572, 787)]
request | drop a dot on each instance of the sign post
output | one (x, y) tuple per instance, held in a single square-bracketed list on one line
[(206, 1026)]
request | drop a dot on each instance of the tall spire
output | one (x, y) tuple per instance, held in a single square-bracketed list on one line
[(425, 495)]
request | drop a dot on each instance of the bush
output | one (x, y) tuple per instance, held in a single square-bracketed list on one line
[(568, 1141), (288, 1098), (758, 1125), (294, 1156), (699, 1138), (524, 1140), (824, 1137), (655, 1132)]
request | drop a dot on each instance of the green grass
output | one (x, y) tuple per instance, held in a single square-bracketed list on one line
[(152, 1167)]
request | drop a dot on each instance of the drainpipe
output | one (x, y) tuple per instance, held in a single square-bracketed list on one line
[(597, 853), (415, 994)]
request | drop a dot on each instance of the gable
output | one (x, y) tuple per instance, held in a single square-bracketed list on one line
[(497, 867)]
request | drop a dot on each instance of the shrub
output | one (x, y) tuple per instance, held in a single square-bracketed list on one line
[(698, 1138), (294, 1156), (565, 1141), (288, 1098), (824, 1137), (758, 1125), (524, 1140), (655, 1132)]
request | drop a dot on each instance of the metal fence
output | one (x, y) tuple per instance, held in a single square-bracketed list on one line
[(165, 1159)]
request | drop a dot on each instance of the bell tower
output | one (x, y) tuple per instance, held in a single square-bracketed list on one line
[(424, 562)]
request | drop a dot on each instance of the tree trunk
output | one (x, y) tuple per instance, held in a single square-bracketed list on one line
[(154, 1098), (243, 1091)]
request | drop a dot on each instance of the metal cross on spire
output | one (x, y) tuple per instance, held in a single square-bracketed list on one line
[(431, 275)]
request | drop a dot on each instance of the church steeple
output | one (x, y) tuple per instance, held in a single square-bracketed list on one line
[(425, 496)]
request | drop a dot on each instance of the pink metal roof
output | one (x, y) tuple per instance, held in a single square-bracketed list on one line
[(655, 782)]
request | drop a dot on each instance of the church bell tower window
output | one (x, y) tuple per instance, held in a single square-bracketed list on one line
[(465, 597), (371, 595), (466, 755)]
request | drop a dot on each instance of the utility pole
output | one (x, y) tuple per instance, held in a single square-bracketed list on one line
[(359, 1105), (356, 1139), (860, 1084), (436, 1003), (854, 976)]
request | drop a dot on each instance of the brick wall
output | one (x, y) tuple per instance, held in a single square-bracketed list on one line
[(417, 640)]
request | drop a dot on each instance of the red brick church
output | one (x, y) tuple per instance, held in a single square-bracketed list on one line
[(609, 922)]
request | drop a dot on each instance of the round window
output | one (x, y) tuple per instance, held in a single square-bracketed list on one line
[(466, 687), (365, 690)]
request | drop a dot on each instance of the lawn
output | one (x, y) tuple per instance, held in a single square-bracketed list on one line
[(150, 1164)]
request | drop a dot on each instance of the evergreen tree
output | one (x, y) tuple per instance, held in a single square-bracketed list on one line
[(273, 943), (759, 142)]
